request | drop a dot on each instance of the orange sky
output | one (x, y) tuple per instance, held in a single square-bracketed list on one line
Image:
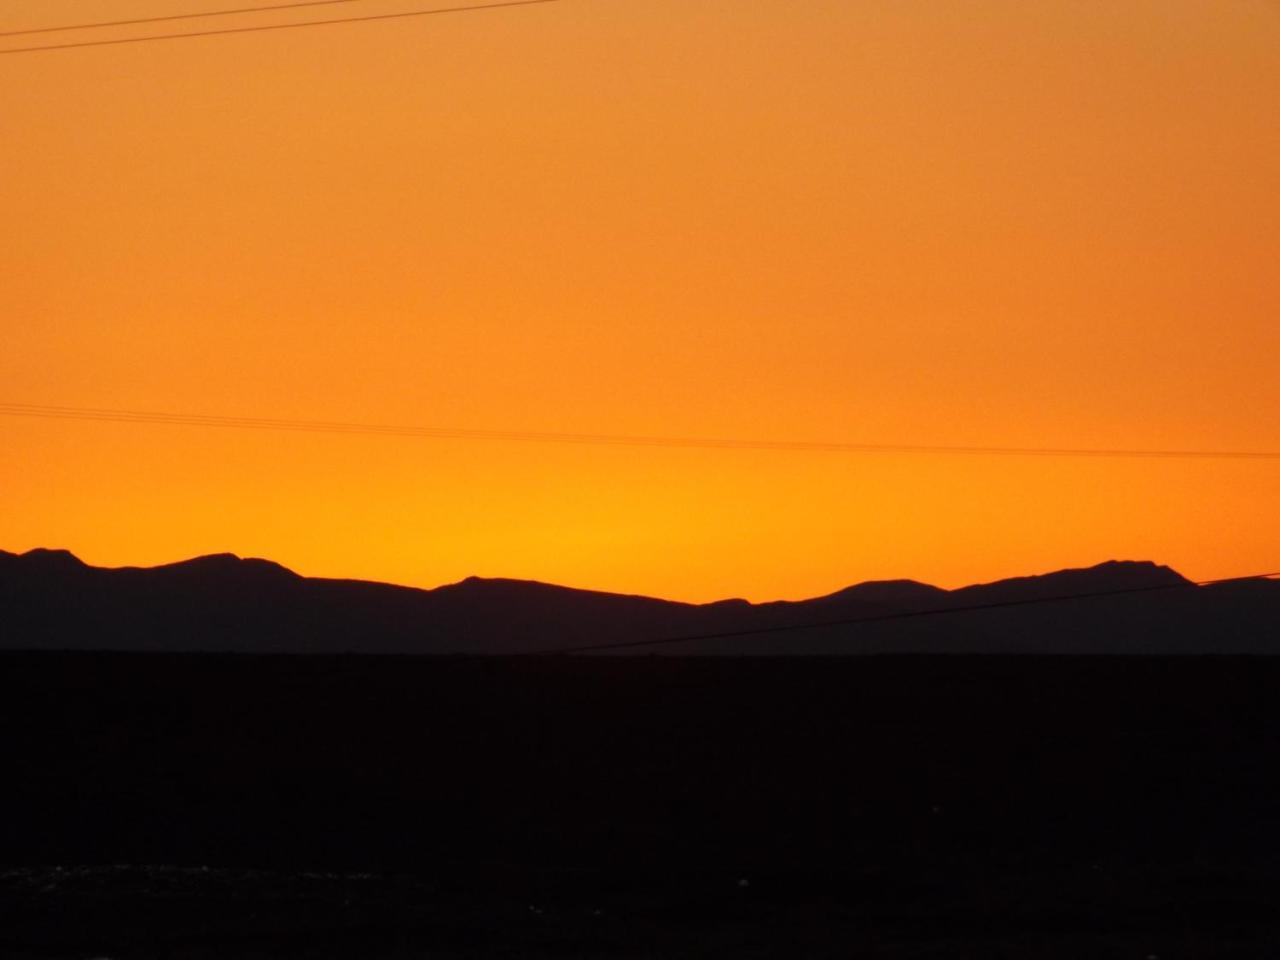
[(968, 222)]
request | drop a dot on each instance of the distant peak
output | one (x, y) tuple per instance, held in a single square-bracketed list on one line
[(1111, 575), (230, 563), (497, 586), (477, 581), (1134, 565), (1142, 570), (887, 591), (64, 559), (507, 584)]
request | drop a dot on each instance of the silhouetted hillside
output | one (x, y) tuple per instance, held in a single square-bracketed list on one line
[(50, 600)]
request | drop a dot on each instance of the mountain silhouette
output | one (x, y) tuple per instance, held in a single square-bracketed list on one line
[(51, 600)]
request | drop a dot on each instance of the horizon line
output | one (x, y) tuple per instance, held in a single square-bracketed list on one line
[(644, 596)]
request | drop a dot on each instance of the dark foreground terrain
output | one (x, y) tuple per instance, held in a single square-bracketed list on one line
[(897, 807)]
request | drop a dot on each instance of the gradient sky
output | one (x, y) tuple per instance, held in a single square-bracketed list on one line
[(970, 222)]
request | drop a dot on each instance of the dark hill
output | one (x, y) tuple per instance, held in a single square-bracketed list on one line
[(50, 600)]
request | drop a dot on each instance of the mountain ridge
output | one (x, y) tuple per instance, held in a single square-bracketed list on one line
[(50, 599), (229, 560)]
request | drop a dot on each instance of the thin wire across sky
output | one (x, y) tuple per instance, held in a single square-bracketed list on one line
[(238, 11), (255, 28), (164, 418)]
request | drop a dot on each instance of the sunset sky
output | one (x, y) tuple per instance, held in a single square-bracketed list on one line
[(975, 222)]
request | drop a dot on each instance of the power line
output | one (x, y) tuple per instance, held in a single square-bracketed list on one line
[(885, 617), (175, 16), (600, 439), (280, 26)]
